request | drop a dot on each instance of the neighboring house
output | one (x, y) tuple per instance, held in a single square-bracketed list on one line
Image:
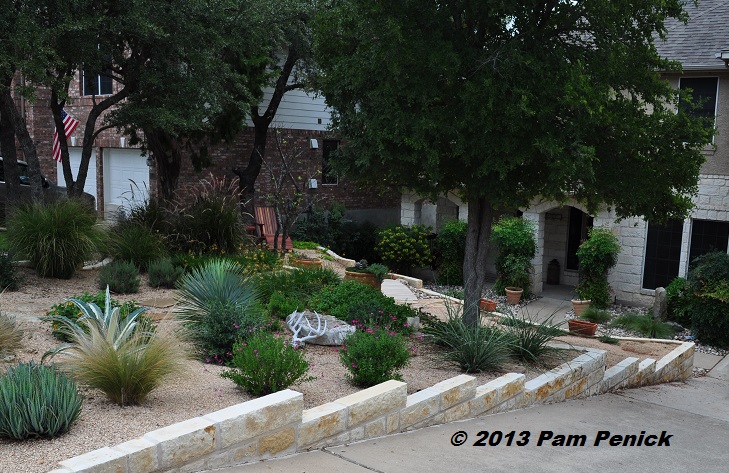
[(116, 169), (651, 255)]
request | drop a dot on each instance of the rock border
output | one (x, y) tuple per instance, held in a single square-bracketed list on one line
[(277, 424)]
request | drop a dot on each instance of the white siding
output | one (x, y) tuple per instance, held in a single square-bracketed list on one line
[(298, 110), (74, 155)]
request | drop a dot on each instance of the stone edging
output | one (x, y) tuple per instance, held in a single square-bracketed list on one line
[(277, 424)]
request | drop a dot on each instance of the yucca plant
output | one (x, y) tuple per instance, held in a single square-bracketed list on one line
[(644, 325), (218, 305), (37, 401), (529, 341), (115, 354), (10, 334), (57, 237), (473, 348)]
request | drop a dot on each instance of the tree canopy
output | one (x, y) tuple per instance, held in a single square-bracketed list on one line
[(504, 102)]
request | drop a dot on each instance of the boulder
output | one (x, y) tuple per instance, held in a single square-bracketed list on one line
[(660, 304)]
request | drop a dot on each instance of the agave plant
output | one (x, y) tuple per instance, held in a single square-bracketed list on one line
[(114, 353)]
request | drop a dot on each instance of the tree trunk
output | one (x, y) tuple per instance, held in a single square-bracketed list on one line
[(168, 157), (7, 107), (480, 220), (10, 163)]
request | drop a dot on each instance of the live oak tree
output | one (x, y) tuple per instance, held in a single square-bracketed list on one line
[(504, 102)]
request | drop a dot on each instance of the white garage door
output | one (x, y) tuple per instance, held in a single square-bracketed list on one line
[(126, 179), (75, 158)]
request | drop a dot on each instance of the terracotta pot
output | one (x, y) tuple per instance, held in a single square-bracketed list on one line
[(582, 327), (306, 263), (364, 278), (580, 305), (487, 305), (513, 295)]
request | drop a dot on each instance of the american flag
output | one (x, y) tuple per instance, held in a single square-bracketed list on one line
[(69, 125)]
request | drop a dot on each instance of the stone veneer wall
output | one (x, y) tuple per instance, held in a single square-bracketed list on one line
[(277, 424)]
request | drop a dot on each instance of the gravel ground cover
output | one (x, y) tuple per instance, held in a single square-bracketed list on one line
[(198, 390)]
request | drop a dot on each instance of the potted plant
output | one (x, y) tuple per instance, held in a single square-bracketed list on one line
[(300, 260), (581, 303), (596, 256), (487, 305), (516, 243), (582, 327), (370, 274)]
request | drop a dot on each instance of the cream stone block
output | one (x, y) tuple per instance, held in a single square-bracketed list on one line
[(435, 420), (376, 428), (420, 406), (507, 386), (393, 423), (455, 390), (461, 411), (60, 470), (374, 402), (141, 455), (183, 442), (103, 460), (646, 370), (277, 442), (357, 434), (321, 422), (575, 390), (484, 399), (242, 422), (618, 373)]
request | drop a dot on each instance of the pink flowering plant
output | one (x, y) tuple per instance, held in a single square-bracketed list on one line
[(264, 363), (373, 355)]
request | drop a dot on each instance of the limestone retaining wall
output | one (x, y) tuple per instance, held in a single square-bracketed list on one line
[(278, 424)]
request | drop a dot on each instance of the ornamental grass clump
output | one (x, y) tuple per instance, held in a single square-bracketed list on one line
[(56, 237), (11, 336), (37, 401), (644, 324), (373, 356), (264, 364), (113, 353), (529, 341)]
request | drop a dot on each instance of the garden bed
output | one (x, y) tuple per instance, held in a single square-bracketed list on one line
[(200, 389)]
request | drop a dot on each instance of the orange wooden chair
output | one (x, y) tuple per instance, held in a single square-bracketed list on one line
[(266, 221)]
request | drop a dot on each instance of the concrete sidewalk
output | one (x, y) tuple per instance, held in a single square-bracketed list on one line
[(695, 415)]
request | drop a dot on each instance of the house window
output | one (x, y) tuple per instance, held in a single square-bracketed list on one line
[(96, 84), (328, 176), (708, 236), (580, 222), (662, 254), (704, 93)]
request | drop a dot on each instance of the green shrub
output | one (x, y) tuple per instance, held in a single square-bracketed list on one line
[(162, 273), (678, 300), (56, 237), (265, 364), (351, 300), (122, 277), (608, 339), (11, 336), (596, 256), (283, 303), (528, 341), (37, 402), (116, 354), (591, 314), (9, 279), (373, 356), (516, 244), (472, 348), (218, 305), (404, 247), (708, 285), (137, 244), (451, 246), (70, 311), (645, 325), (205, 218), (304, 245), (303, 282)]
